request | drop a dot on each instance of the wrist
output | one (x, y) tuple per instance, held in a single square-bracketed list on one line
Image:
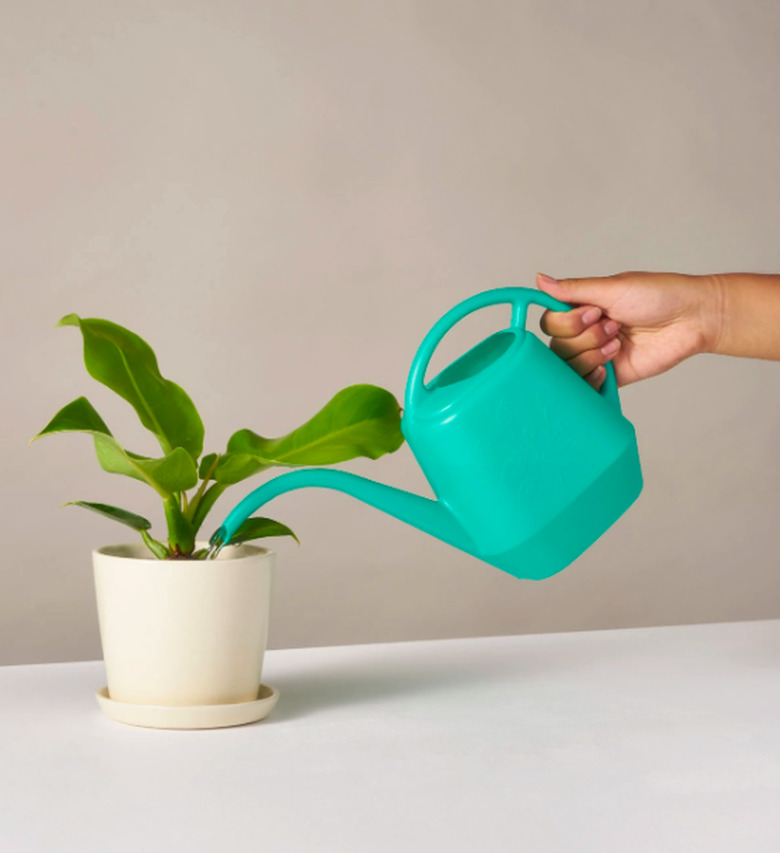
[(715, 295), (745, 308)]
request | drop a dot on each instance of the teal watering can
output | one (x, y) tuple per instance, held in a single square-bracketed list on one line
[(529, 464)]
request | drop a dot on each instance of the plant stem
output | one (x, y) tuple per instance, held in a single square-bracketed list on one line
[(205, 505), (181, 537), (196, 499), (157, 548)]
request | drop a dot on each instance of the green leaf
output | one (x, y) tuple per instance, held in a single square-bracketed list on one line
[(205, 466), (234, 467), (157, 548), (78, 416), (204, 505), (361, 420), (127, 365), (174, 472), (137, 522), (258, 527)]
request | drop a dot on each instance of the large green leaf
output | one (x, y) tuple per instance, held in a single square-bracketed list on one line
[(126, 364), (258, 527), (361, 420), (174, 472)]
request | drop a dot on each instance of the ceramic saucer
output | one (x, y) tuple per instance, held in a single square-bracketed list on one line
[(190, 716)]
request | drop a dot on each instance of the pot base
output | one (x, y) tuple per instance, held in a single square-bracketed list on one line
[(190, 716)]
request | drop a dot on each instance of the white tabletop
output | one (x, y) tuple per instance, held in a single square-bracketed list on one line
[(659, 739)]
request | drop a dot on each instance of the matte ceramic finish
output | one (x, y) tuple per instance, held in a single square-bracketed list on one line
[(190, 716), (529, 464), (183, 632)]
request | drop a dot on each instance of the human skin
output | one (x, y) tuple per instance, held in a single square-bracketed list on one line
[(647, 322)]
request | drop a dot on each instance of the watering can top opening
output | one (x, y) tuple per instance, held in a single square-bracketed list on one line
[(529, 464), (483, 362)]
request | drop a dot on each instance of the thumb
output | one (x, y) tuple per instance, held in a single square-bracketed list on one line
[(579, 291)]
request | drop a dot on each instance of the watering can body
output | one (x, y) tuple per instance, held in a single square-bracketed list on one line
[(529, 464)]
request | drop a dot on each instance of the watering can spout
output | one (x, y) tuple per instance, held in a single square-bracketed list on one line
[(428, 515), (529, 464)]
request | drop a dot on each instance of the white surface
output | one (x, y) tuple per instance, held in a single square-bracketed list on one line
[(662, 739)]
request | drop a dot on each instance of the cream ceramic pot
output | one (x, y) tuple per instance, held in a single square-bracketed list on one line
[(183, 632)]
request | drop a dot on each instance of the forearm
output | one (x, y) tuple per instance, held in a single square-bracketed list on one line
[(744, 315)]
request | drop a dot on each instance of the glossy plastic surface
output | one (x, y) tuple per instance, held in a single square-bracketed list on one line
[(529, 464)]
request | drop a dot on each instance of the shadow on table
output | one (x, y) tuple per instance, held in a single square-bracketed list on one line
[(472, 664), (352, 683)]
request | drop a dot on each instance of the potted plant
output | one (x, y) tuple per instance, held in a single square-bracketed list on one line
[(184, 636)]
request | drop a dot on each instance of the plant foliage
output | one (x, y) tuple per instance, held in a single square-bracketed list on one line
[(360, 420)]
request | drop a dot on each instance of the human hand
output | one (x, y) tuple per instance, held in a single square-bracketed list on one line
[(643, 322)]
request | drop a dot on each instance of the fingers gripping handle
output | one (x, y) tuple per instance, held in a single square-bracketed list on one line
[(519, 298)]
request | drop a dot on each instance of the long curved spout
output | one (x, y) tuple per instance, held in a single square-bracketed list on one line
[(423, 513)]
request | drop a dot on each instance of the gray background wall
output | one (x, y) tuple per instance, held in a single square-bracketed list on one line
[(283, 197)]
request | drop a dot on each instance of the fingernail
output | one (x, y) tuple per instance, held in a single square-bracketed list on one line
[(610, 327), (596, 376), (547, 279), (591, 315), (611, 347)]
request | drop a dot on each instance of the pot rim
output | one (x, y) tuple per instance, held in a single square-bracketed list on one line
[(125, 551)]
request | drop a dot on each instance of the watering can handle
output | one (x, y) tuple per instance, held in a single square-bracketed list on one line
[(519, 298)]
